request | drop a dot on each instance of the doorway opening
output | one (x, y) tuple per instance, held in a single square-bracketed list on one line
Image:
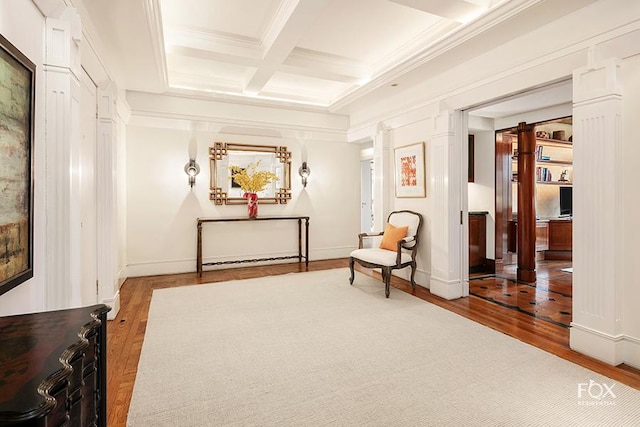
[(493, 196), (366, 196)]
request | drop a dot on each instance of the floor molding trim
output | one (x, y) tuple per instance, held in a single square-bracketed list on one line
[(447, 289), (602, 346)]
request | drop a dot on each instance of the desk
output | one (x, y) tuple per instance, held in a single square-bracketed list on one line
[(202, 221), (554, 237)]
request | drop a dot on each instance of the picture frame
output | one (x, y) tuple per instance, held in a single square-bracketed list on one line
[(410, 174), (17, 96), (276, 159)]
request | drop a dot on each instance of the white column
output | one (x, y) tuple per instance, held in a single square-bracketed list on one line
[(598, 232), (383, 176), (106, 197), (444, 175), (62, 145)]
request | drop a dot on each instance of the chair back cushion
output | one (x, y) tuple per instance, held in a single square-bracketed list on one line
[(391, 236), (405, 219)]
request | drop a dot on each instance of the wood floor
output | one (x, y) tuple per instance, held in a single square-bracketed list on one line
[(125, 333), (549, 298)]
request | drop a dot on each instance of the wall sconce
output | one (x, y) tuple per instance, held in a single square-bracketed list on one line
[(192, 169), (304, 172)]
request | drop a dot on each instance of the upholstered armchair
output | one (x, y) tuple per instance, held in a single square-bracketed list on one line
[(396, 250)]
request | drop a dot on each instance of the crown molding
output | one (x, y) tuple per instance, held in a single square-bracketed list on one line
[(216, 41), (153, 13), (342, 68), (418, 44)]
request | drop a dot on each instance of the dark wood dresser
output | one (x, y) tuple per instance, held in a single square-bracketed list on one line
[(53, 368)]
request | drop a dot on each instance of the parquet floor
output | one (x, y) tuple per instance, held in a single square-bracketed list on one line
[(125, 333), (548, 299)]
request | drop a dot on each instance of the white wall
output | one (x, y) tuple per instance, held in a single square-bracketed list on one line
[(482, 191), (419, 131), (23, 25), (55, 283), (162, 209)]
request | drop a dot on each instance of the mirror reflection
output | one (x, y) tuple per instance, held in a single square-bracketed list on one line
[(275, 159)]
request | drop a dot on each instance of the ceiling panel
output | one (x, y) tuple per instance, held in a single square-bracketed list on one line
[(244, 18), (365, 30), (328, 53), (313, 90)]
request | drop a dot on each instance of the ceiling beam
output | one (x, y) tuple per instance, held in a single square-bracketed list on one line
[(191, 52), (293, 21), (456, 10)]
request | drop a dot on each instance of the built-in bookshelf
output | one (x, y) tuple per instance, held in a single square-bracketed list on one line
[(553, 167), (554, 161)]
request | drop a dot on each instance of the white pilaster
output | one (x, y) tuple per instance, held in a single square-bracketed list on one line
[(383, 176), (62, 145), (106, 197), (444, 176), (598, 212)]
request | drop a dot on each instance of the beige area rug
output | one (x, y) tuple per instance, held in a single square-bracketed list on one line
[(307, 349)]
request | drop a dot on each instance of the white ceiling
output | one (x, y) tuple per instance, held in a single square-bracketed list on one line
[(538, 99), (319, 53)]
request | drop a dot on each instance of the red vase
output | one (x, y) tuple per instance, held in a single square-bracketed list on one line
[(252, 204)]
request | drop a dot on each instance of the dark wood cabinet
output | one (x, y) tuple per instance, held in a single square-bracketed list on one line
[(53, 368), (560, 239), (542, 236), (560, 235), (477, 241)]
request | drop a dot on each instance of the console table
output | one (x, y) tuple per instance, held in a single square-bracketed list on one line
[(299, 219), (53, 368)]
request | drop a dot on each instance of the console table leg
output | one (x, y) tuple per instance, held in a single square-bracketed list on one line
[(299, 239), (199, 251), (306, 242)]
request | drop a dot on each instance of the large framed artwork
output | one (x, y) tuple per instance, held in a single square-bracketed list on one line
[(409, 171), (17, 94)]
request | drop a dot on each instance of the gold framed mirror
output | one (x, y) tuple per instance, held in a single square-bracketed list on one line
[(271, 158)]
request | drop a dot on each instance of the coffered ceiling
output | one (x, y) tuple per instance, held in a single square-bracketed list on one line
[(308, 53)]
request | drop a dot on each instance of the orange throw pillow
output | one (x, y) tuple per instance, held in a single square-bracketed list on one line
[(391, 236)]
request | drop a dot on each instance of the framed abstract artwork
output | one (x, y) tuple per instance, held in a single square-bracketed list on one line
[(17, 95), (410, 171)]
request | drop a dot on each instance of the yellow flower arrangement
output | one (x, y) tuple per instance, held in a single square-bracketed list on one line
[(250, 179)]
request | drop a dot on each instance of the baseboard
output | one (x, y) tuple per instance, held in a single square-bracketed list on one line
[(156, 268), (421, 277), (599, 345), (631, 351), (447, 289), (122, 277), (114, 303)]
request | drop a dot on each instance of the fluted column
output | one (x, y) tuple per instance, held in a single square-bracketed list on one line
[(444, 173), (598, 227), (62, 145), (106, 197)]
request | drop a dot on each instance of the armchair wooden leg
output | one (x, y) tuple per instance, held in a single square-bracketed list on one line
[(351, 261), (413, 275), (386, 274)]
